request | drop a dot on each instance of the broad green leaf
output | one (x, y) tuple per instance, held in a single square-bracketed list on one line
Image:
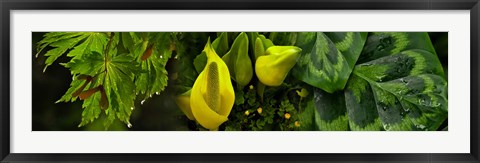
[(307, 117), (360, 104), (330, 111), (380, 44), (327, 58), (398, 90)]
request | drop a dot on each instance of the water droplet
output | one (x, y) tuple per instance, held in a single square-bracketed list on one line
[(386, 127), (132, 108), (129, 125), (380, 48), (421, 127), (436, 104), (142, 102), (158, 93), (150, 96), (161, 56), (421, 101)]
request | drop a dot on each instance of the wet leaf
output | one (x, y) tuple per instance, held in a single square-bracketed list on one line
[(401, 89), (327, 58)]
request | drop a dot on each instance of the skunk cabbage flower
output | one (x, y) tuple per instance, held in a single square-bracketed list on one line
[(273, 67), (183, 102), (212, 95), (238, 60)]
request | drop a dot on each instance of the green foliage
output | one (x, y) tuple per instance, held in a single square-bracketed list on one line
[(341, 81), (109, 69), (251, 114), (403, 89), (328, 58)]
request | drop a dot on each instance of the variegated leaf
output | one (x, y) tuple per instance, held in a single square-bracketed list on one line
[(399, 85), (327, 58)]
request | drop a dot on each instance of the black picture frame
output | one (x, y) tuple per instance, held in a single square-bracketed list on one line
[(9, 5)]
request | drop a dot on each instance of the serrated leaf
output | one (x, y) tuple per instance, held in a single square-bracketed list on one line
[(327, 58), (154, 76), (397, 91), (90, 64), (80, 42), (120, 88), (74, 86), (91, 109)]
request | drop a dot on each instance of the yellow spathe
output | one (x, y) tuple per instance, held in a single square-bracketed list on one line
[(212, 96), (183, 102), (273, 67)]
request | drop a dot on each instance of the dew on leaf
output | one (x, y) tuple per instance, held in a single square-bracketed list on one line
[(380, 48), (422, 127), (387, 127)]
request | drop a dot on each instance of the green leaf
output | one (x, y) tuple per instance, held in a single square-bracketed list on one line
[(405, 90), (91, 109), (238, 60), (307, 117), (327, 58), (220, 45), (89, 64), (283, 38), (120, 88), (74, 86), (330, 111), (380, 44), (154, 76), (79, 43)]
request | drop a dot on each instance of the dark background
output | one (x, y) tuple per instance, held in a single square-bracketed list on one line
[(156, 114)]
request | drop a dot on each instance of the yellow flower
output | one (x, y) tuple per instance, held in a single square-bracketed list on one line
[(212, 95), (247, 113), (273, 67), (259, 110), (297, 124), (287, 116), (183, 102)]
